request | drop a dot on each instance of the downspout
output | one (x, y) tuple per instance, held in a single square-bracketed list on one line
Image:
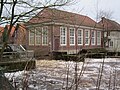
[(51, 42), (53, 38), (103, 33)]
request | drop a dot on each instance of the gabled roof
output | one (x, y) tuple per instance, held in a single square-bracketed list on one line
[(59, 16), (109, 24)]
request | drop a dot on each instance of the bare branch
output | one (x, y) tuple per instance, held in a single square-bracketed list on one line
[(106, 14), (1, 7)]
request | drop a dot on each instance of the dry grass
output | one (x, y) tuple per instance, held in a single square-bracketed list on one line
[(47, 63)]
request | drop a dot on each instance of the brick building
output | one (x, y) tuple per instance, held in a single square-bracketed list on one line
[(53, 30)]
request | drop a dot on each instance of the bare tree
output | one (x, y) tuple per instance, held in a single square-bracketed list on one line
[(14, 11), (102, 13)]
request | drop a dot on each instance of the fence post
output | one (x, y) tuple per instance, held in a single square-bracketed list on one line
[(1, 76)]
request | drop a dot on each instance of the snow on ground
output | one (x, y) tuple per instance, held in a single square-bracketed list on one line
[(61, 75)]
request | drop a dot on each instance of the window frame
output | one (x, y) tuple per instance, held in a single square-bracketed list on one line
[(72, 36), (80, 36), (111, 44), (45, 36), (38, 35), (30, 31), (93, 39), (99, 38), (88, 37), (63, 36)]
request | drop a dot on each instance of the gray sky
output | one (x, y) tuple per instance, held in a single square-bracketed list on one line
[(91, 7)]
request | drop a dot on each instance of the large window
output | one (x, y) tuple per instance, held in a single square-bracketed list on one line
[(80, 36), (92, 37), (63, 35), (38, 36), (44, 35), (111, 43), (31, 37), (72, 36), (87, 36), (98, 38)]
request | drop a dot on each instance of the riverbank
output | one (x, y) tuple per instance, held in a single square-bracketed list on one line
[(17, 65), (59, 74)]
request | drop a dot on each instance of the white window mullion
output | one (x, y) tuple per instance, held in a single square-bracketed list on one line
[(98, 38), (72, 36), (31, 37), (80, 37), (63, 36), (87, 37), (45, 36), (38, 36), (111, 44), (93, 37)]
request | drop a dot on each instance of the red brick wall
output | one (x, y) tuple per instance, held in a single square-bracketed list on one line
[(39, 50), (68, 47), (54, 33)]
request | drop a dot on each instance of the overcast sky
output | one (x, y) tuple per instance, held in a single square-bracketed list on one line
[(91, 7)]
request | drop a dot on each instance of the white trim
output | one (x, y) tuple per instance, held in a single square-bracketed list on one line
[(72, 36), (81, 30), (88, 37), (79, 26), (45, 36), (63, 24), (111, 44), (37, 35), (61, 28), (93, 37), (32, 37), (99, 38)]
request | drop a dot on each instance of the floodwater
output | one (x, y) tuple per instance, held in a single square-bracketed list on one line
[(103, 74)]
